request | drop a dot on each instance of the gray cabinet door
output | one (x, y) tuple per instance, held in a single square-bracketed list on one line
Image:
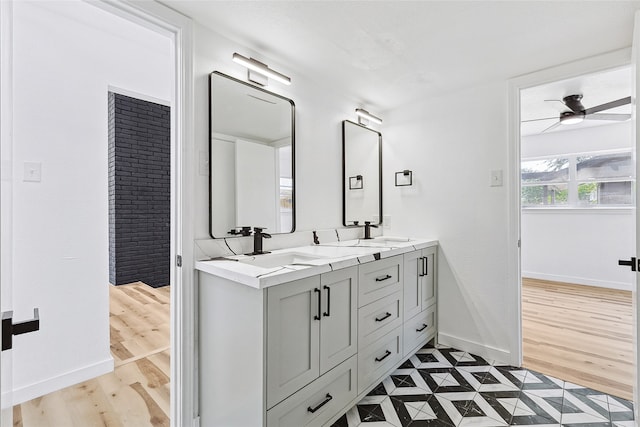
[(428, 292), (293, 331), (413, 266), (338, 327)]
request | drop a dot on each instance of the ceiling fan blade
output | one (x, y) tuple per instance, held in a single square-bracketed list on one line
[(537, 120), (561, 105), (553, 126), (608, 116), (608, 105)]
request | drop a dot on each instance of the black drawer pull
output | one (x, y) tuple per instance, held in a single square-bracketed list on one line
[(421, 264), (382, 278), (386, 354), (317, 317), (380, 319), (424, 326), (321, 404)]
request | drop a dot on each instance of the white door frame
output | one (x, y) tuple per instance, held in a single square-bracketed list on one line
[(593, 64), (178, 27)]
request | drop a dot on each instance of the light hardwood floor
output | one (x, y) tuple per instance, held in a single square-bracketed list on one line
[(136, 393), (581, 334)]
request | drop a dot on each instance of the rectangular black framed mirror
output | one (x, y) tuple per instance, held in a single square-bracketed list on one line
[(361, 174), (251, 158)]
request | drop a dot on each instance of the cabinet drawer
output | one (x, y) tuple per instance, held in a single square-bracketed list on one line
[(419, 329), (375, 360), (378, 279), (316, 403), (379, 318)]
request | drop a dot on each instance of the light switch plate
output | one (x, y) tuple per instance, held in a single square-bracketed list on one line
[(386, 221), (496, 178), (32, 172)]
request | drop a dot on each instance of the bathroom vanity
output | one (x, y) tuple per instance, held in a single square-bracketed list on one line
[(296, 337)]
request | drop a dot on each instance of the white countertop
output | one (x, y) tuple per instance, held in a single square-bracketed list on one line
[(307, 261)]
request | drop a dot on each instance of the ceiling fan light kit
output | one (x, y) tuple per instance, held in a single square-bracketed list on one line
[(571, 118)]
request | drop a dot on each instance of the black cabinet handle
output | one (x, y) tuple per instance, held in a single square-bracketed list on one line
[(317, 317), (418, 265), (321, 404), (386, 354), (328, 312), (425, 260), (380, 319), (424, 326), (382, 278)]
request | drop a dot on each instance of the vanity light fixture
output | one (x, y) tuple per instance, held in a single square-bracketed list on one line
[(261, 68), (364, 114)]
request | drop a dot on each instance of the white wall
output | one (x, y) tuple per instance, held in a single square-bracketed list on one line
[(579, 246), (451, 152), (66, 54), (318, 150)]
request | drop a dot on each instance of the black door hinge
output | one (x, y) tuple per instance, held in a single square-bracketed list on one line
[(9, 329), (179, 260)]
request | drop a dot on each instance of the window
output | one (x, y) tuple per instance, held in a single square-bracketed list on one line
[(286, 193), (545, 182), (582, 180)]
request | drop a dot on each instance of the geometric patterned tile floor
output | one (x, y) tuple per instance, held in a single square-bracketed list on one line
[(445, 387)]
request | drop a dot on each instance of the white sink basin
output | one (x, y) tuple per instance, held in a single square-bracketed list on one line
[(281, 259), (378, 242), (388, 239), (334, 251)]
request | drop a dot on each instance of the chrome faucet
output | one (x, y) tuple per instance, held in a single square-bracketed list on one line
[(367, 229), (257, 241)]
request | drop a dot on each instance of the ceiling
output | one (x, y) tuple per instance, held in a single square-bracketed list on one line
[(388, 53)]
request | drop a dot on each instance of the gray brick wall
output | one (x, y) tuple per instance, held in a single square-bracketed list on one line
[(139, 191)]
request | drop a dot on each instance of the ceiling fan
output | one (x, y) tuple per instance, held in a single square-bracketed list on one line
[(577, 113)]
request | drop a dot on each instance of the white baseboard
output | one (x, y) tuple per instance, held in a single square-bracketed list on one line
[(31, 391), (487, 352), (579, 281)]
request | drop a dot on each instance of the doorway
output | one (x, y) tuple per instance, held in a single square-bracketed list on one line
[(577, 220)]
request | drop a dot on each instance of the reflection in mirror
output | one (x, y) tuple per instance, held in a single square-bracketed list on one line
[(251, 158), (361, 174)]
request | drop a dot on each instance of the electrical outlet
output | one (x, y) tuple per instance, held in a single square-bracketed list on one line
[(386, 221)]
